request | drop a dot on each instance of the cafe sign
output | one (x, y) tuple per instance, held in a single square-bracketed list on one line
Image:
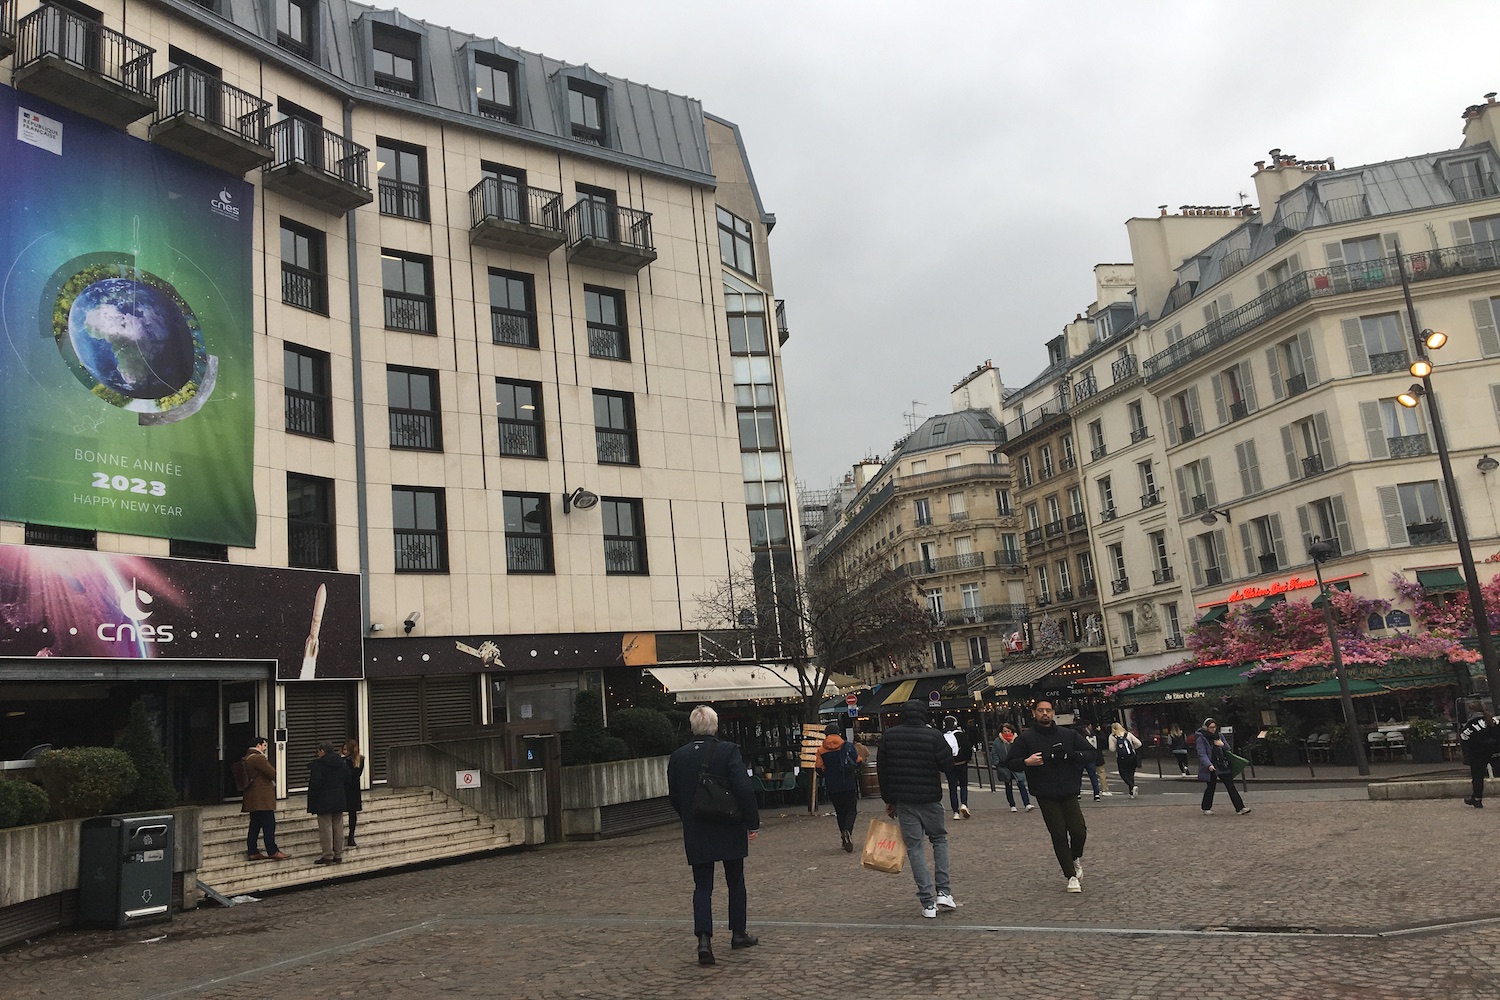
[(1253, 593), (1184, 696)]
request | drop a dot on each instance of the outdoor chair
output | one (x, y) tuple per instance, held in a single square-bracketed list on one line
[(1395, 744), (1375, 744)]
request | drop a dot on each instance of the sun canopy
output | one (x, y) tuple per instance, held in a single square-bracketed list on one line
[(1441, 581), (731, 682), (1324, 690), (1185, 686)]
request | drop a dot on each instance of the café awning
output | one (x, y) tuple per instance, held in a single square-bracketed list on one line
[(1441, 581), (731, 682), (1214, 615), (1185, 686), (1033, 669), (1324, 690), (901, 692)]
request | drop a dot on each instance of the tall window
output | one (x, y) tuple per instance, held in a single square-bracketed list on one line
[(1106, 498), (624, 536), (598, 217), (506, 198), (395, 59), (415, 419), (1149, 496), (310, 530), (419, 520), (1085, 568), (528, 533), (1044, 457), (934, 602), (495, 86), (942, 655), (308, 400), (736, 246), (1002, 503), (1043, 589), (402, 170), (1116, 556), (614, 427), (758, 430), (747, 324), (304, 279), (1135, 413), (979, 650), (1157, 543), (587, 112), (1383, 340), (519, 407), (294, 26), (1027, 476), (922, 510), (1069, 455), (512, 309), (768, 526), (1096, 439), (605, 309), (958, 507), (407, 283)]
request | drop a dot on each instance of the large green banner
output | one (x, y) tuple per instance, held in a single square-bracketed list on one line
[(127, 379)]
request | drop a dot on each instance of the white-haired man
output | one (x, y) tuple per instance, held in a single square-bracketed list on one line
[(708, 841)]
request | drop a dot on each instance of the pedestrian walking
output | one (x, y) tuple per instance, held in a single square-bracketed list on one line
[(912, 760), (258, 799), (708, 842), (353, 795), (1053, 758), (1177, 743), (961, 745), (839, 762), (1095, 764), (328, 799), (1479, 739), (1126, 747), (999, 751), (1213, 768)]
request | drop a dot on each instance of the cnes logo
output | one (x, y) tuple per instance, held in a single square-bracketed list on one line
[(134, 605), (224, 205)]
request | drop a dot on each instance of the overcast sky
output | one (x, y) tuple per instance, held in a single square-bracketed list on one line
[(946, 175)]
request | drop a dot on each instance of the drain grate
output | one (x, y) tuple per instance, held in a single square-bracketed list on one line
[(1261, 929)]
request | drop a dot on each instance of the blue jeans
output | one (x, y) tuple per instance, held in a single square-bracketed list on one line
[(261, 820), (958, 785), (1093, 772), (926, 820), (1015, 779), (703, 896)]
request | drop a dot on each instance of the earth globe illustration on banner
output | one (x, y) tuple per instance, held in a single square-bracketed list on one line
[(130, 338)]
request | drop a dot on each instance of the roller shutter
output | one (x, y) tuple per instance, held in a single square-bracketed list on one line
[(315, 712)]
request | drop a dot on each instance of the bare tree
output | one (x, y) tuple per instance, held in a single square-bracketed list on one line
[(845, 616)]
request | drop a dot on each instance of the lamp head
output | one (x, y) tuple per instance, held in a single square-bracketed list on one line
[(1486, 465), (1319, 550), (580, 499), (1420, 368), (1412, 396), (1211, 516), (1434, 339)]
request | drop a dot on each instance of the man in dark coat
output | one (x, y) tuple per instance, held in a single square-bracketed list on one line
[(911, 764), (707, 841), (259, 800), (1053, 759), (1479, 739), (327, 798)]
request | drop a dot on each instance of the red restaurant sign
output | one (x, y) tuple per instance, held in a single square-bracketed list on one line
[(1252, 593)]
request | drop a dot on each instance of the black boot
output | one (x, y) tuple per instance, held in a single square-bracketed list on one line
[(739, 939), (705, 949), (848, 840), (1476, 803)]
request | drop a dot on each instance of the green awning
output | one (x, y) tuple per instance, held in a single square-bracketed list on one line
[(1214, 615), (1269, 603), (1185, 686), (1324, 690), (1441, 581)]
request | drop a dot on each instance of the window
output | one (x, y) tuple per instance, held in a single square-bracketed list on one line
[(1002, 503), (979, 650), (182, 548), (309, 529), (1376, 344), (294, 26), (494, 87), (419, 519), (1265, 552), (1069, 455), (958, 509), (1075, 501), (735, 243), (1195, 487), (528, 533), (412, 400), (1010, 549), (1043, 591), (1064, 580), (757, 429), (1234, 394), (1174, 625), (302, 140), (1308, 446), (624, 537), (193, 86), (1033, 517), (512, 309), (1149, 495), (1027, 478), (506, 197), (1414, 513), (934, 600), (1393, 430), (1114, 554), (304, 279), (1136, 413), (395, 60), (614, 427), (1086, 568), (66, 538), (1324, 520), (1468, 180), (587, 112), (402, 170), (1207, 552), (308, 400), (1184, 417), (922, 511), (969, 594), (942, 655), (917, 467), (1054, 516), (1156, 542), (597, 217), (1292, 366), (1096, 439), (1106, 498), (519, 407), (605, 309), (1485, 312), (1044, 458), (407, 282), (768, 526), (747, 323)]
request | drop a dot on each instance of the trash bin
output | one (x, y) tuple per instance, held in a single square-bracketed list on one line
[(125, 871)]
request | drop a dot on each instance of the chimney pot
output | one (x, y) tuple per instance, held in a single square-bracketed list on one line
[(1490, 97)]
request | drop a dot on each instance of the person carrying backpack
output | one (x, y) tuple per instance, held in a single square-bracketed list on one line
[(255, 778), (1127, 750), (961, 744), (838, 762)]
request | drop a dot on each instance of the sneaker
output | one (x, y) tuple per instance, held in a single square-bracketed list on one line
[(930, 912), (1096, 798), (945, 900), (957, 816), (1078, 867), (1133, 791), (1208, 812), (1242, 812), (1013, 808), (1476, 803), (965, 811), (1029, 808), (1073, 885), (1104, 793)]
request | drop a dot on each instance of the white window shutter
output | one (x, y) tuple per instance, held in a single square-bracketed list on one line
[(1195, 413), (1463, 233), (1273, 365), (1484, 325), (1278, 543), (1294, 264), (1248, 547), (1170, 422), (1221, 552), (1335, 254), (1254, 464), (1293, 468), (1309, 361), (1341, 524), (1325, 440), (1354, 343), (1495, 400), (1390, 513), (1195, 563), (1247, 387), (1243, 461), (1262, 283), (1219, 408), (1304, 524), (1207, 469), (1389, 243), (1184, 502), (1369, 415)]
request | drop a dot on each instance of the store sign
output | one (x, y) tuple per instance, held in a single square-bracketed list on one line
[(100, 605), (1253, 593), (1184, 696)]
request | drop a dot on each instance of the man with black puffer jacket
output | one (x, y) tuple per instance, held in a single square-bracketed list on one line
[(1052, 758), (912, 761)]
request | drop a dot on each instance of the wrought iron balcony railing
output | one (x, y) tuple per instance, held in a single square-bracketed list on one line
[(1428, 533), (1162, 574), (52, 32), (1130, 649), (610, 223), (1388, 361), (308, 414), (303, 289), (1088, 588), (1084, 388), (1108, 514), (1033, 536), (412, 313), (189, 91), (417, 429), (1009, 557), (1268, 562), (1053, 528), (1150, 499), (1213, 575), (1409, 446), (419, 551), (1138, 434), (310, 546), (1312, 465), (985, 613), (1124, 367), (1172, 642), (1239, 410), (507, 201), (1119, 585), (1076, 521), (947, 564), (403, 200), (296, 141)]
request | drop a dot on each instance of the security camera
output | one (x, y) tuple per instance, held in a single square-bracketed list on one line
[(411, 621)]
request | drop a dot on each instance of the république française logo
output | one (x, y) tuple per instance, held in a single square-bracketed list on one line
[(135, 605)]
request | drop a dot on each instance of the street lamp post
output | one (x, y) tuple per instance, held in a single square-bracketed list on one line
[(1320, 552), (1422, 368)]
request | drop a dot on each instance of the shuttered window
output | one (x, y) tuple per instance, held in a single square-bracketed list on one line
[(416, 709), (315, 712)]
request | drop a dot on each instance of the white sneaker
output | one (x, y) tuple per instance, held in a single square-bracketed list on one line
[(945, 900), (1243, 811), (1208, 812), (1030, 807), (1013, 808), (957, 816), (965, 811), (1133, 791), (1106, 793), (1078, 867), (1073, 885), (930, 912)]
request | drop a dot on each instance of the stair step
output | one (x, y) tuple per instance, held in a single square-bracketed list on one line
[(264, 876)]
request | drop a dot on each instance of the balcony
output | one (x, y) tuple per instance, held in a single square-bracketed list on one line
[(958, 515), (203, 117), (1053, 528), (948, 564), (1473, 187), (1119, 585), (1432, 532), (1068, 463), (7, 27), (1238, 411), (1347, 209), (1388, 361), (1172, 642), (1044, 600), (1047, 472), (1268, 562), (1124, 367), (984, 614), (1107, 514), (958, 474), (504, 215), (1085, 388), (1296, 384), (317, 167), (83, 66), (1409, 446), (1312, 465), (1130, 649), (1162, 574), (1213, 576), (1088, 588), (1200, 503), (608, 236), (1187, 432), (924, 521), (1065, 594), (1150, 499), (1077, 521), (1234, 261), (1138, 434), (1033, 536), (1098, 453)]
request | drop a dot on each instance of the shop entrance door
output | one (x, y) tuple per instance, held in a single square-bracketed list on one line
[(237, 703)]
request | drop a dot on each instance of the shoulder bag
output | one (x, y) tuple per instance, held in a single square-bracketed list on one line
[(714, 800)]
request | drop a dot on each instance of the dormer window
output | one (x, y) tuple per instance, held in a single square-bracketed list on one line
[(495, 87), (395, 57), (294, 26), (586, 112)]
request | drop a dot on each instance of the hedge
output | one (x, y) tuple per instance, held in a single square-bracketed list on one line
[(85, 781)]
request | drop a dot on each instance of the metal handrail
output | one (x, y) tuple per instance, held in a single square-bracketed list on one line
[(8, 18), (508, 201), (612, 223), (53, 32), (189, 91), (1124, 367), (293, 140)]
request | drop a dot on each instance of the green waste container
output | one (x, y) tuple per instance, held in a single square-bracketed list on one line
[(125, 871)]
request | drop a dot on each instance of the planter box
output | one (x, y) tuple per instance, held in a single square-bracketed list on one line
[(1425, 751)]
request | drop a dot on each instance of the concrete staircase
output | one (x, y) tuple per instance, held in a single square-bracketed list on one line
[(397, 827)]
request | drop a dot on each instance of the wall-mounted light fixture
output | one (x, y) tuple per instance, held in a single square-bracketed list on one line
[(1486, 465), (1212, 515), (411, 621), (580, 498)]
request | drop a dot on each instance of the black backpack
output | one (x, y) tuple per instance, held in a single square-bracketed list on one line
[(1123, 748)]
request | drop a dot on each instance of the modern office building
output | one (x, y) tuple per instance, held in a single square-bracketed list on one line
[(368, 378)]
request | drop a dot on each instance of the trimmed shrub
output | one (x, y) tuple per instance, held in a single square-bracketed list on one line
[(34, 804), (613, 748), (10, 804), (85, 781), (153, 789), (647, 732), (585, 743)]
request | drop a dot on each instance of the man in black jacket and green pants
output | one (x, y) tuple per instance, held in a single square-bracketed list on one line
[(1053, 758)]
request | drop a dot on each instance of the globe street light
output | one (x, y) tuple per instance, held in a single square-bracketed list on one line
[(1321, 551), (1431, 340)]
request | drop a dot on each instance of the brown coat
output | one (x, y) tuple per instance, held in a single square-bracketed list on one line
[(260, 794)]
